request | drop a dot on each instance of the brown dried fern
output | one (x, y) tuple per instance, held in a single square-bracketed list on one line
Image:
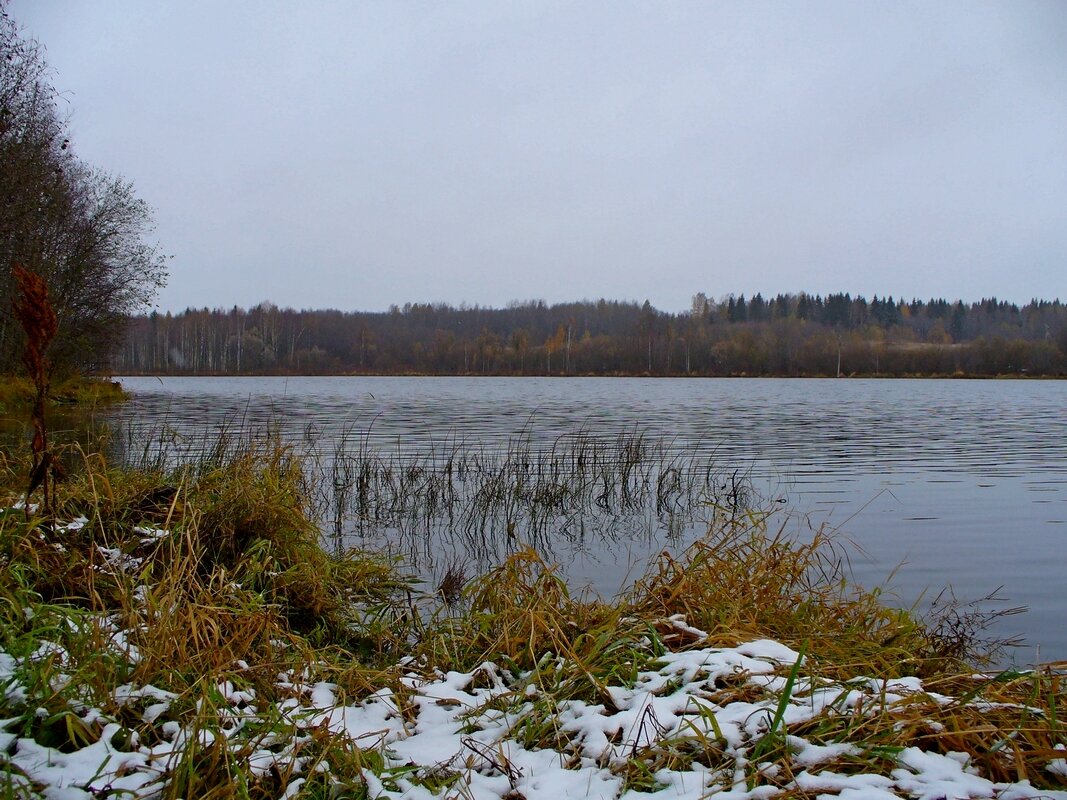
[(38, 320)]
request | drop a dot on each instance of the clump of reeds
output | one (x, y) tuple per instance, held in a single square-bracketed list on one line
[(745, 580), (474, 492), (451, 585), (234, 538), (523, 617)]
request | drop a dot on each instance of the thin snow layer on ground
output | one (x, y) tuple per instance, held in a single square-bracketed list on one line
[(492, 734)]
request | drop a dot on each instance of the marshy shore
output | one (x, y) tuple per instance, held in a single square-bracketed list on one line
[(186, 633)]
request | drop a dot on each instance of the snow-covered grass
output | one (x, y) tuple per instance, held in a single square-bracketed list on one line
[(693, 724), (186, 636)]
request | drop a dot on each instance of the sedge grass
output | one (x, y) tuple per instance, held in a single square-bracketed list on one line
[(745, 580)]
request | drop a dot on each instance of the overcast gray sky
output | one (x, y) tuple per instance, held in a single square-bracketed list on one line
[(352, 155)]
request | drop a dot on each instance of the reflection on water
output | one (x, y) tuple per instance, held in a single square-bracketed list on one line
[(71, 430), (951, 481)]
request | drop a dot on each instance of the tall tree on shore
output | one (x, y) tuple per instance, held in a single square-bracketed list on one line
[(82, 230)]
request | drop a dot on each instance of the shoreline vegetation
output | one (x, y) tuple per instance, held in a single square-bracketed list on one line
[(87, 393), (187, 633)]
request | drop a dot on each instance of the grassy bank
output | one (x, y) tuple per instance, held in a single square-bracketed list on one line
[(185, 635), (16, 394)]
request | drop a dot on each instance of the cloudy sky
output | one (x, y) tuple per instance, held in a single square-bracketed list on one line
[(358, 154)]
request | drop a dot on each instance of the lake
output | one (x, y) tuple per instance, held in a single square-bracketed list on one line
[(935, 482)]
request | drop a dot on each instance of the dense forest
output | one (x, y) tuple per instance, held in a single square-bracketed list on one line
[(789, 334)]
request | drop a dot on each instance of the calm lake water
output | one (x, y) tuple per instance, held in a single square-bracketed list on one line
[(935, 482)]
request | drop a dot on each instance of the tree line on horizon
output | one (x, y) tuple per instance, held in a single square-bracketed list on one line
[(788, 334)]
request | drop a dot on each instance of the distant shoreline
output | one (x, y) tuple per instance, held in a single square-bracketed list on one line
[(859, 376)]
